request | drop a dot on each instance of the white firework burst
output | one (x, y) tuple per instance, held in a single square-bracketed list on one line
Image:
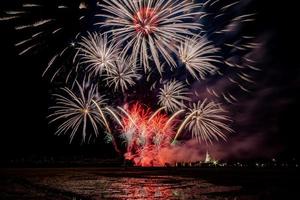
[(199, 56), (77, 110), (122, 74), (206, 121), (172, 95), (98, 53), (149, 29)]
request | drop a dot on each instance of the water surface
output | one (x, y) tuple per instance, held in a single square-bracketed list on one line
[(121, 183)]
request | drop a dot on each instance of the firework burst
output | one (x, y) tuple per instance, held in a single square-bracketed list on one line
[(141, 41), (122, 74), (199, 57), (98, 53), (146, 133), (76, 110), (172, 95), (206, 121), (149, 28)]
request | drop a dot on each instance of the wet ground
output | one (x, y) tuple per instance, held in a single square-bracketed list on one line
[(139, 183)]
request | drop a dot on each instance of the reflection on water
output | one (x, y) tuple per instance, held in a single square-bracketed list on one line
[(150, 187), (161, 188), (142, 183)]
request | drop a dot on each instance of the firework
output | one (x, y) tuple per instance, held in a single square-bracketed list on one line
[(206, 121), (172, 95), (76, 110), (224, 26), (98, 53), (122, 74), (145, 134), (199, 57), (149, 28), (51, 28), (141, 41)]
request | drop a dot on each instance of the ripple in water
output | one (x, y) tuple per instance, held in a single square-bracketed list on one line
[(150, 187)]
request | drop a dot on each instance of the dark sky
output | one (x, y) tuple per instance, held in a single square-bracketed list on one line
[(270, 113)]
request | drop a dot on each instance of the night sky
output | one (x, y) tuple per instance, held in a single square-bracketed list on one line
[(267, 120)]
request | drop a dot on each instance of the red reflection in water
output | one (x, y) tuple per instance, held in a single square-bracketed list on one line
[(147, 189)]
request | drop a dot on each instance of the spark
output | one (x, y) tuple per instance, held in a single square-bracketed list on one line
[(56, 30), (36, 24), (11, 12), (50, 64), (27, 49), (37, 34), (22, 42), (62, 7), (30, 5), (8, 18), (170, 120), (115, 116)]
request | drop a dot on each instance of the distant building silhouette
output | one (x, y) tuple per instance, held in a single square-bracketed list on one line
[(207, 158)]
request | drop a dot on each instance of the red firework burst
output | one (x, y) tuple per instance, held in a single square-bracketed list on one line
[(146, 134), (145, 21)]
